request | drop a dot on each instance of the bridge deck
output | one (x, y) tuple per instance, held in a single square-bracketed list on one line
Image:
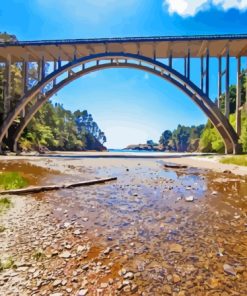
[(161, 47)]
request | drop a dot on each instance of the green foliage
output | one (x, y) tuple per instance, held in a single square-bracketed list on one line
[(38, 255), (2, 228), (232, 96), (243, 138), (238, 160), (12, 180), (59, 129), (165, 138), (210, 140), (5, 204), (6, 263), (183, 138)]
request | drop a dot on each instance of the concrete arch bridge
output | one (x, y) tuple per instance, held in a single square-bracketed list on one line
[(71, 59)]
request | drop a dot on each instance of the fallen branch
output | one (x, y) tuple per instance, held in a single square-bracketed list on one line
[(37, 189), (176, 166)]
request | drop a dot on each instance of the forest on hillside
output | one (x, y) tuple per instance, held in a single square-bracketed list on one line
[(205, 138)]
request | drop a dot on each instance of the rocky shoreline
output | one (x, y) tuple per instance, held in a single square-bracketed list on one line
[(141, 235)]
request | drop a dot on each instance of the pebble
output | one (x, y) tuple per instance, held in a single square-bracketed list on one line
[(229, 269), (65, 254), (82, 292), (176, 248), (129, 275), (56, 283), (77, 232), (189, 198), (107, 251)]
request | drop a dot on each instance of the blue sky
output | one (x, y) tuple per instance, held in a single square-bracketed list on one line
[(129, 105)]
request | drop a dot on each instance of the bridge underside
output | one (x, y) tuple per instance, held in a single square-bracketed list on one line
[(67, 68)]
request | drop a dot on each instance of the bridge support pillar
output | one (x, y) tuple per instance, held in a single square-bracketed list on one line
[(202, 73), (207, 73), (219, 81), (238, 97), (54, 69), (24, 77), (7, 86), (227, 98)]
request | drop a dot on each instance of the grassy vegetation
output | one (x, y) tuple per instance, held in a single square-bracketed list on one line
[(238, 160), (38, 255), (12, 180), (2, 228), (6, 263), (5, 203)]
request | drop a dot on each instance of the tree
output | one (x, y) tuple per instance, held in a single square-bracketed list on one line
[(165, 138)]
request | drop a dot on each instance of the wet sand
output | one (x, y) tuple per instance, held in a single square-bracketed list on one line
[(196, 160), (154, 231)]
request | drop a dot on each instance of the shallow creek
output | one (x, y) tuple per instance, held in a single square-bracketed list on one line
[(154, 231)]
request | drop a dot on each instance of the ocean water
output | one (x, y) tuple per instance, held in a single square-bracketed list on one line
[(129, 150)]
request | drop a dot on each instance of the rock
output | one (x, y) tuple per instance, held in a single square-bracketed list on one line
[(229, 269), (56, 283), (167, 289), (66, 224), (134, 288), (85, 267), (82, 292), (213, 283), (129, 275), (189, 198), (77, 232), (56, 294), (120, 286), (103, 285), (126, 283), (122, 271), (176, 278), (176, 248), (65, 254), (227, 172), (214, 193), (107, 251), (81, 249), (84, 284)]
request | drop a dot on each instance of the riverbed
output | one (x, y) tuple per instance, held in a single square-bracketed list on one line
[(154, 231)]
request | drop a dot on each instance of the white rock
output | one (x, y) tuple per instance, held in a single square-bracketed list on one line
[(65, 254), (83, 292), (189, 198)]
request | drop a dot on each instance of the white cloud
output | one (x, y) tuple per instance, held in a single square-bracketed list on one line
[(191, 7), (228, 4)]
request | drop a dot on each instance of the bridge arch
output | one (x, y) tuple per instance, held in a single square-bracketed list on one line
[(117, 60)]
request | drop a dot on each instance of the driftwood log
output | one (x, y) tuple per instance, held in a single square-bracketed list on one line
[(175, 166), (37, 189)]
